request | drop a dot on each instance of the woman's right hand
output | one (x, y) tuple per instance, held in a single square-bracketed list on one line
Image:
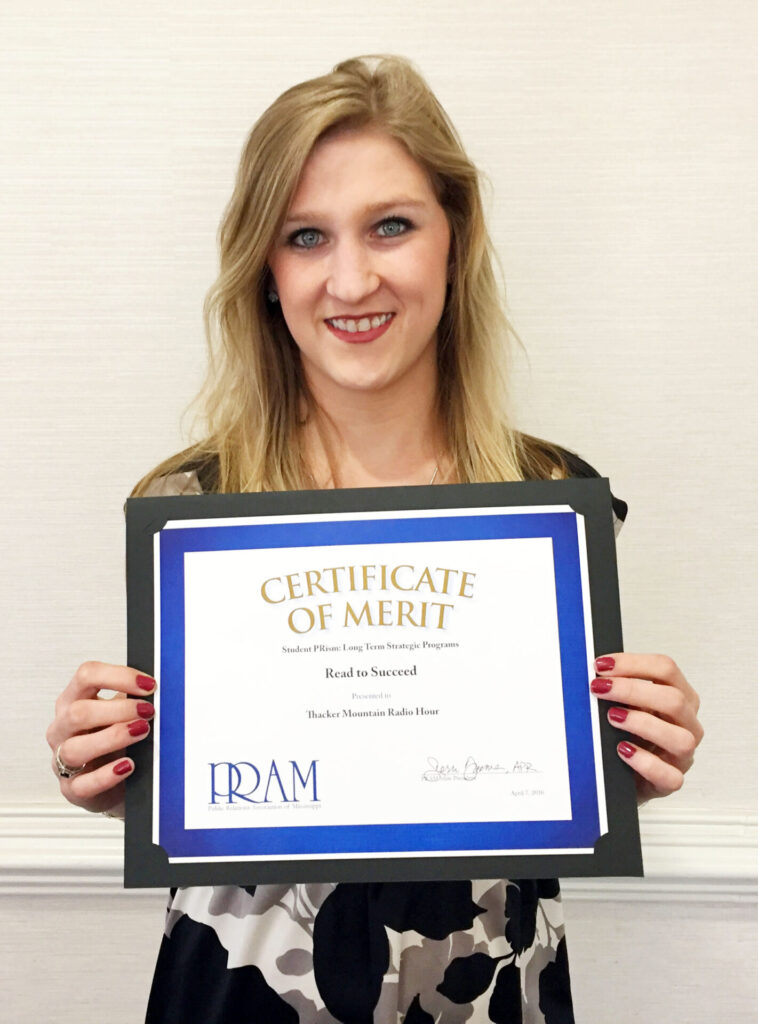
[(95, 731)]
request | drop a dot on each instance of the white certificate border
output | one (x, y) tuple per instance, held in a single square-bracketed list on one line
[(411, 513), (602, 809), (385, 855), (156, 675), (374, 514)]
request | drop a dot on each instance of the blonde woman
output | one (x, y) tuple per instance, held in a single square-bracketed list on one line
[(357, 340)]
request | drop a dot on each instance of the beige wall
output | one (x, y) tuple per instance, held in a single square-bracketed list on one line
[(621, 146)]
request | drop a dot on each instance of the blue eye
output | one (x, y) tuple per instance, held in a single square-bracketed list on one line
[(391, 227), (305, 238)]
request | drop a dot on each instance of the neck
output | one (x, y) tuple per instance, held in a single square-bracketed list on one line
[(376, 439)]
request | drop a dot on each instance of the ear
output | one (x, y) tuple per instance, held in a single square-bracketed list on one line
[(272, 294), (451, 263)]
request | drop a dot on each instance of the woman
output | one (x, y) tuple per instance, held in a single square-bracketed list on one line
[(357, 331)]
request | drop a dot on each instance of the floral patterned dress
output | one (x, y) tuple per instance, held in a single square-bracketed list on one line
[(380, 953), (385, 953)]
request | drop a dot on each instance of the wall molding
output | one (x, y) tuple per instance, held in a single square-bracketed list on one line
[(693, 856)]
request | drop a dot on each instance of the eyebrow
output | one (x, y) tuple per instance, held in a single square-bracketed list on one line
[(309, 216)]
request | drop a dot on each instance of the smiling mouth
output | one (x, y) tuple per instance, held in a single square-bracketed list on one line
[(359, 329)]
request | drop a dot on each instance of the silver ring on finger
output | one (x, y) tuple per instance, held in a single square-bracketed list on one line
[(65, 771)]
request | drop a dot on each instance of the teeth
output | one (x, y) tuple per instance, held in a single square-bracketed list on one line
[(364, 324)]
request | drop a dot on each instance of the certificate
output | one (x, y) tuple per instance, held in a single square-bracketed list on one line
[(375, 685)]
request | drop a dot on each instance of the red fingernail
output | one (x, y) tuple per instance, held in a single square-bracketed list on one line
[(145, 710), (138, 728), (626, 749), (604, 664), (618, 714), (145, 682), (122, 768), (601, 685)]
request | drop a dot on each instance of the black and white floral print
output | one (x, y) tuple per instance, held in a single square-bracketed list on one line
[(385, 953)]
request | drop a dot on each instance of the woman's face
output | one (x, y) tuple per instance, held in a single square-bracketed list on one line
[(361, 268)]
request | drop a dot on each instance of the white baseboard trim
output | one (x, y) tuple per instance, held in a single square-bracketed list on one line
[(691, 856), (704, 856)]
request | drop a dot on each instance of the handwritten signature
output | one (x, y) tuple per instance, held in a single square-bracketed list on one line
[(472, 769)]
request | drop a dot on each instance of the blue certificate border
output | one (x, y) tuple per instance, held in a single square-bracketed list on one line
[(580, 832)]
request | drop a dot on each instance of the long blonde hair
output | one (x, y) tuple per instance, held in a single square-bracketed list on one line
[(253, 395)]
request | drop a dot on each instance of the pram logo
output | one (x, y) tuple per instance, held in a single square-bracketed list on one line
[(279, 782)]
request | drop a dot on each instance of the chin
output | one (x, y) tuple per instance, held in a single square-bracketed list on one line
[(369, 376), (366, 386), (363, 379)]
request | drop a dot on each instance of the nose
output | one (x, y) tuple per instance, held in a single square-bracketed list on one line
[(352, 275)]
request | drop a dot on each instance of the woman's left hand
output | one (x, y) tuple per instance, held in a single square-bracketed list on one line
[(652, 700)]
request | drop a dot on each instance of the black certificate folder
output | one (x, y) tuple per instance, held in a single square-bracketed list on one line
[(376, 685)]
